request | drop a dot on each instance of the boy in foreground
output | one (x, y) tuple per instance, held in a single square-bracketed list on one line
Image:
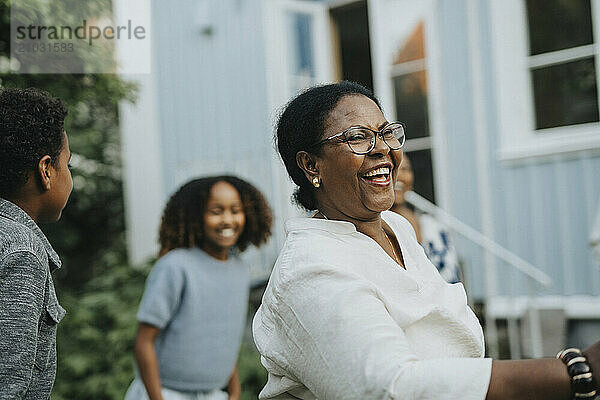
[(35, 184)]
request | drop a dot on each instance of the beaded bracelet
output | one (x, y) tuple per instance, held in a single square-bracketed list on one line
[(582, 382)]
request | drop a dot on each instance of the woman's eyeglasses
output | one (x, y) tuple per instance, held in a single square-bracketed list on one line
[(361, 140)]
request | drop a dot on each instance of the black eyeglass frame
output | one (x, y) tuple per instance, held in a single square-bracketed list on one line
[(373, 141)]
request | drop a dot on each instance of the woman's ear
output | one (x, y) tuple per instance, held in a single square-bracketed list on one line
[(307, 164), (45, 171)]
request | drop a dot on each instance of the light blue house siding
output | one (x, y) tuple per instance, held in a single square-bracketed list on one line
[(543, 208), (461, 151), (211, 92)]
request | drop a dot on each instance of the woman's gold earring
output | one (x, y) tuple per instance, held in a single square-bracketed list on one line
[(316, 182)]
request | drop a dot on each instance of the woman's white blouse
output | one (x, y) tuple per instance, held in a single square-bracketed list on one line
[(341, 320)]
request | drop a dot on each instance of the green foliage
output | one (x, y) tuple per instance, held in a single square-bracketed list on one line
[(96, 337), (253, 375)]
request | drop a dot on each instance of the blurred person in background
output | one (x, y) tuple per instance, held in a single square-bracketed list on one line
[(192, 314), (35, 184), (430, 233)]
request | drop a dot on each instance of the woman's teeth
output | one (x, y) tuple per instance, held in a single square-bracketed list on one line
[(378, 177), (227, 232), (378, 171)]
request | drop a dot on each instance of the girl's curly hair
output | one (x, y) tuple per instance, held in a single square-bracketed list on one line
[(182, 223)]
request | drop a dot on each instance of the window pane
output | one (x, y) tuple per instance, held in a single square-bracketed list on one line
[(302, 54), (423, 170), (411, 103), (414, 47), (558, 24), (565, 94)]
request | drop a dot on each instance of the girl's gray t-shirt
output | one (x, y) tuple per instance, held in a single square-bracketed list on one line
[(200, 305)]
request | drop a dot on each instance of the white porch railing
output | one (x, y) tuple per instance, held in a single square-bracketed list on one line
[(534, 274)]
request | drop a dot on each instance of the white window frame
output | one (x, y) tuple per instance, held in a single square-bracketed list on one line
[(516, 113), (383, 71)]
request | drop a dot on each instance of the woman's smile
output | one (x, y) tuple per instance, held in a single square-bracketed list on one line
[(378, 176)]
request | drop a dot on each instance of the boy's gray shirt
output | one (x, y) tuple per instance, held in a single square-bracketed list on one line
[(29, 309)]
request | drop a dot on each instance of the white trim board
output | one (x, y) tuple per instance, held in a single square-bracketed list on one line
[(576, 307), (140, 148)]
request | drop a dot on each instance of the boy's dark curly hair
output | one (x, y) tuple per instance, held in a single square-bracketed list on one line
[(31, 126), (182, 222), (301, 125)]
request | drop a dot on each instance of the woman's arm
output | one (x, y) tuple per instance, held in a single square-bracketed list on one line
[(545, 379), (147, 362), (234, 388), (538, 379)]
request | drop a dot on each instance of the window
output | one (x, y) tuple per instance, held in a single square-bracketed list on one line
[(409, 79), (546, 56), (301, 53), (562, 65)]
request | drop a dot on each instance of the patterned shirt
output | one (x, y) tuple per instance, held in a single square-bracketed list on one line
[(29, 309)]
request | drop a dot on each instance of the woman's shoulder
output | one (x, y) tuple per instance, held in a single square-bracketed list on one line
[(313, 258)]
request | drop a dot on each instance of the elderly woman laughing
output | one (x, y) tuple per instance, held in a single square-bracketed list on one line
[(353, 308)]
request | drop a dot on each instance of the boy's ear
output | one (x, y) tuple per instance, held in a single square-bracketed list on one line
[(307, 164), (44, 172)]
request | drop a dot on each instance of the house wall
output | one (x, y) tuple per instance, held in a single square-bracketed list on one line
[(211, 90), (209, 85), (543, 209)]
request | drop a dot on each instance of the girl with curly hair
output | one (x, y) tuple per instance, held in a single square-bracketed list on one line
[(192, 313)]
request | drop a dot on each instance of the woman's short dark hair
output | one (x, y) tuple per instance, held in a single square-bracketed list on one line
[(31, 126), (301, 125), (182, 222)]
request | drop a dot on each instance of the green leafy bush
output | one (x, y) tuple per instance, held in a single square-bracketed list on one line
[(252, 374), (96, 337)]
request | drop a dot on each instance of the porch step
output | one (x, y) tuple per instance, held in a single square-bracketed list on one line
[(563, 321), (554, 326)]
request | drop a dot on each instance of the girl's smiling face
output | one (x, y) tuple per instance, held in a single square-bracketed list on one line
[(224, 220)]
